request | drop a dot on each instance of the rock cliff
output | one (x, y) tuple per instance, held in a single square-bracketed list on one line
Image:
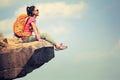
[(18, 59)]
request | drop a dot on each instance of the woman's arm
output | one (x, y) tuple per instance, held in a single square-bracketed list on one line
[(35, 30)]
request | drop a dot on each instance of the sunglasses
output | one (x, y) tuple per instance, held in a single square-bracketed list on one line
[(37, 10)]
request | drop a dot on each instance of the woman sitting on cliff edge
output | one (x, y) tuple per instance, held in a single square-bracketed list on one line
[(30, 27)]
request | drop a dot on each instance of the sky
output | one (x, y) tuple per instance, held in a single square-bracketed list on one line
[(90, 28)]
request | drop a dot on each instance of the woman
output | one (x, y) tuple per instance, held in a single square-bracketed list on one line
[(30, 27)]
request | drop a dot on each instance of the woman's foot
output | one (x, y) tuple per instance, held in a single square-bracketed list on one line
[(60, 47)]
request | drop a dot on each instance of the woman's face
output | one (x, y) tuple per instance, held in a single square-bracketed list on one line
[(36, 12)]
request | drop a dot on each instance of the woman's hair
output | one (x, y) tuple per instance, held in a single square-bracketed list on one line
[(29, 10)]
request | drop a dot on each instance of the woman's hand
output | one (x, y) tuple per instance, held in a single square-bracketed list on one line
[(38, 37)]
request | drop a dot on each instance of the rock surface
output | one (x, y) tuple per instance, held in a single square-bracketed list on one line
[(18, 59)]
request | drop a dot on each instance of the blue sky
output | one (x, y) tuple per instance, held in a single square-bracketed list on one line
[(91, 29)]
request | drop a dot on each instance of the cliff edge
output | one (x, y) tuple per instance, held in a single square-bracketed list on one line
[(18, 59)]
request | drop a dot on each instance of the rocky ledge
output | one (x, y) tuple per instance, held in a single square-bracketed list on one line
[(17, 59)]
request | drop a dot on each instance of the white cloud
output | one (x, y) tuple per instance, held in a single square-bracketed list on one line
[(61, 9), (58, 9), (6, 27), (20, 11), (57, 29), (6, 3), (119, 44)]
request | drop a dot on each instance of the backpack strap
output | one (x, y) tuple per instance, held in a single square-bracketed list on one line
[(27, 20)]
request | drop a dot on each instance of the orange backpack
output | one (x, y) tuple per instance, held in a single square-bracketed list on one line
[(19, 26)]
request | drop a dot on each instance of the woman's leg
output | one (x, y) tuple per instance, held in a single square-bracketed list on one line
[(30, 39), (43, 36), (49, 39), (46, 37)]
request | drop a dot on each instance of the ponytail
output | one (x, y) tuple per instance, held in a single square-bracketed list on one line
[(29, 10)]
